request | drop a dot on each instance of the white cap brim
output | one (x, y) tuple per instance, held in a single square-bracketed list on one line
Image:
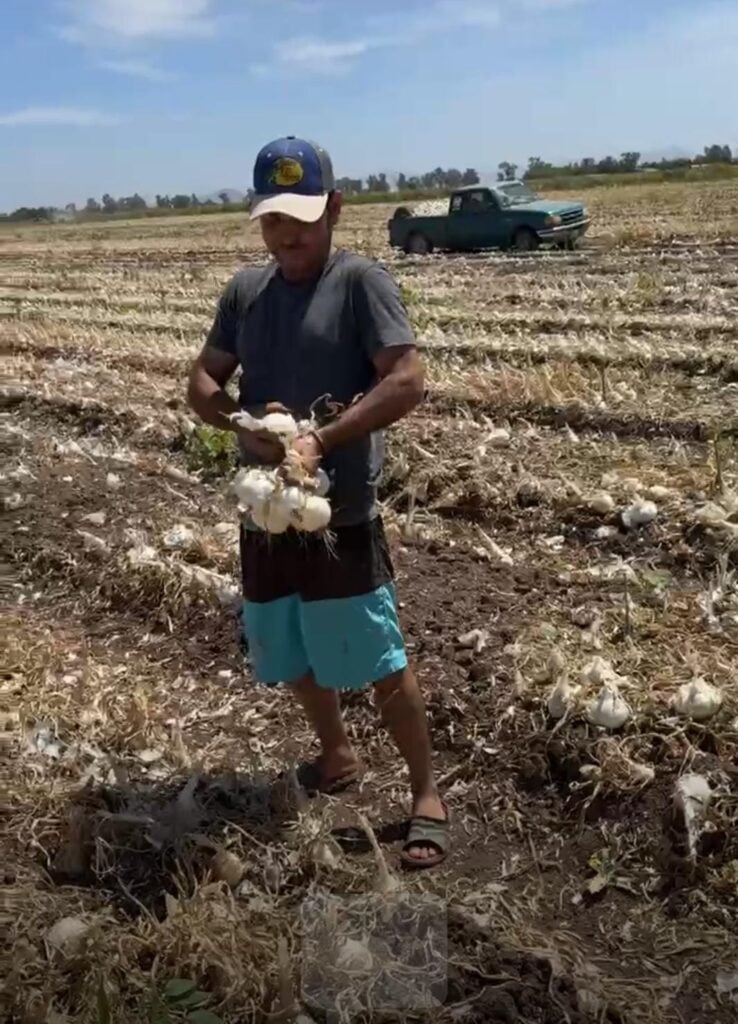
[(308, 209)]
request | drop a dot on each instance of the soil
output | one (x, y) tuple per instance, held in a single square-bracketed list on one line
[(541, 865), (570, 894)]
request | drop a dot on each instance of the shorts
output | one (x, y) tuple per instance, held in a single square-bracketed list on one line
[(323, 606)]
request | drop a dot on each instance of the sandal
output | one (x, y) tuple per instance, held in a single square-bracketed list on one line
[(311, 778), (425, 831)]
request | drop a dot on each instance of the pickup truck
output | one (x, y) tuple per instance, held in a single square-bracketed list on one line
[(506, 216)]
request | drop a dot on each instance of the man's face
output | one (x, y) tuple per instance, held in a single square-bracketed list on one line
[(300, 249)]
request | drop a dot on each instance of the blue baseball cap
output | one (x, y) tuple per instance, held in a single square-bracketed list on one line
[(294, 177)]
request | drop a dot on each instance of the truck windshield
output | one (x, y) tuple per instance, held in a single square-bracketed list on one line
[(517, 192)]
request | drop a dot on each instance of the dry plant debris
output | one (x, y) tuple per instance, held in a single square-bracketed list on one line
[(563, 512)]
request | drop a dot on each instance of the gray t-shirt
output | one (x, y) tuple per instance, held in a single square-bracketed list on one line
[(297, 343)]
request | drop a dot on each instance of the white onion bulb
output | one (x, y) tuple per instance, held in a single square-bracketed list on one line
[(276, 516), (316, 514), (608, 709), (561, 698), (692, 797), (597, 672), (258, 516), (602, 503), (640, 513), (280, 424), (658, 493), (68, 935), (698, 699), (293, 498), (253, 488)]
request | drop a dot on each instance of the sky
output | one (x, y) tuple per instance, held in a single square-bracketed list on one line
[(178, 95)]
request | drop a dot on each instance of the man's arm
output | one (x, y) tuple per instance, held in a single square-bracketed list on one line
[(215, 366), (206, 392), (386, 335), (207, 396), (398, 391)]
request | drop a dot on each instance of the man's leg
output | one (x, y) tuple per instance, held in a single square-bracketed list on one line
[(323, 710), (403, 712), (353, 638)]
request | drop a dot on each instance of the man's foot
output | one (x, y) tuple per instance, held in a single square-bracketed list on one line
[(430, 806), (330, 772), (428, 836)]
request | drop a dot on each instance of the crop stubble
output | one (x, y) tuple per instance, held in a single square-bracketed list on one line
[(550, 378)]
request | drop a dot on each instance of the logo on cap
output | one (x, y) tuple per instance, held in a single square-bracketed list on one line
[(286, 173)]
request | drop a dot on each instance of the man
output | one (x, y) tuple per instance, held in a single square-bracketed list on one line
[(319, 322)]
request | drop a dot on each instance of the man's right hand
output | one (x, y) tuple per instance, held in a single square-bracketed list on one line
[(207, 396), (264, 447)]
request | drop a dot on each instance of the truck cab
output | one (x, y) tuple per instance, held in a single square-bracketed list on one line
[(510, 216)]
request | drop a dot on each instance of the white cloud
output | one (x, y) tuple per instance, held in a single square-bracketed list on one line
[(321, 56), (115, 21), (137, 69), (337, 57), (76, 117)]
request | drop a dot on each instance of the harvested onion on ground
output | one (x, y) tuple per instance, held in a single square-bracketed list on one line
[(602, 503), (698, 699), (562, 697), (68, 935), (228, 868), (640, 513), (692, 798), (608, 709)]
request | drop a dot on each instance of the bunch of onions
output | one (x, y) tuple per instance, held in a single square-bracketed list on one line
[(286, 496), (275, 504)]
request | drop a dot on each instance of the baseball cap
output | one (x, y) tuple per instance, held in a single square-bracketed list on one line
[(292, 176)]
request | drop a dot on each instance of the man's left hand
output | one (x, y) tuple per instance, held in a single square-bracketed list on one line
[(310, 451)]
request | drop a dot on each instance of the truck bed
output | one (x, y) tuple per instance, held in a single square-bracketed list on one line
[(434, 228)]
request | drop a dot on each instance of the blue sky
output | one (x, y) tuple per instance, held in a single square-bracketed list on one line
[(177, 95)]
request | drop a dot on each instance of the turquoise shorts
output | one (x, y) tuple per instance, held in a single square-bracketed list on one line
[(326, 609)]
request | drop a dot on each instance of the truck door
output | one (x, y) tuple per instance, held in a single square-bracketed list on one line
[(475, 221)]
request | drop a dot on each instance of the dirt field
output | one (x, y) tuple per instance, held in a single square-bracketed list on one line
[(563, 390)]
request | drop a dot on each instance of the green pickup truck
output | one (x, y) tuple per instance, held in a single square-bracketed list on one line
[(507, 216)]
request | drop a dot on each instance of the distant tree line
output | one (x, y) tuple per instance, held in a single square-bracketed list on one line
[(136, 202), (35, 214), (109, 205), (627, 163), (439, 180)]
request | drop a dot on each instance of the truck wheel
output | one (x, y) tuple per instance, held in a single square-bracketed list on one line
[(418, 245), (525, 240)]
